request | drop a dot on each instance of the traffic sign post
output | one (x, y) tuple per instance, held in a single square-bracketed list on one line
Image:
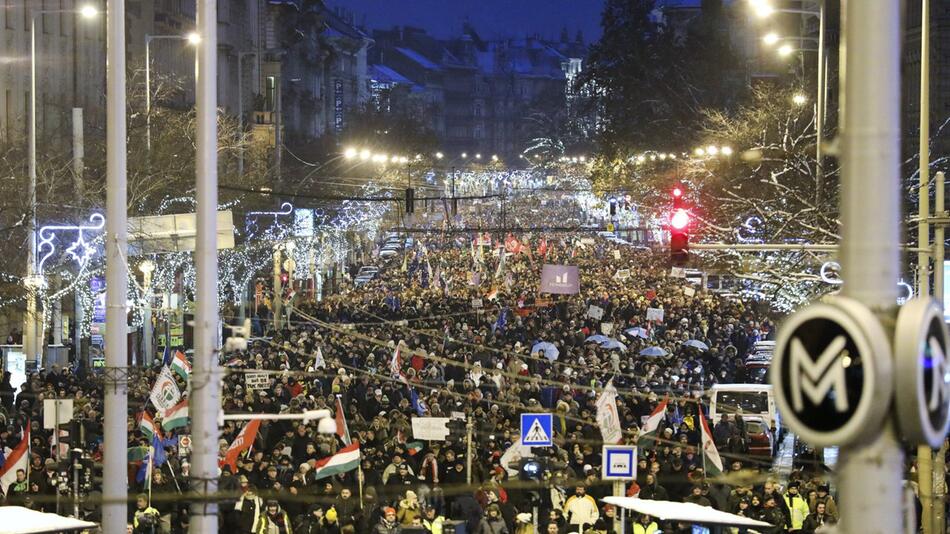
[(923, 372), (619, 462), (537, 429), (832, 373)]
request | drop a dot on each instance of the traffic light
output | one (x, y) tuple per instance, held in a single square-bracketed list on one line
[(613, 207), (410, 200), (679, 229)]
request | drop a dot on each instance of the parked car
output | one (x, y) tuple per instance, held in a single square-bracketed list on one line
[(760, 437)]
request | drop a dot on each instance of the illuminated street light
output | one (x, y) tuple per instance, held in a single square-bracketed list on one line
[(712, 150), (193, 38), (799, 99), (349, 153), (88, 11), (439, 155), (770, 38), (583, 159), (494, 157), (785, 50), (464, 155), (726, 150), (365, 154), (699, 152), (478, 156)]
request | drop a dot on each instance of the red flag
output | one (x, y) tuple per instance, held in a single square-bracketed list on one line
[(543, 247), (241, 443), (18, 459), (341, 429)]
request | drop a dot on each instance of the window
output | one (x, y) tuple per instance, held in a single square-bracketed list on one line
[(748, 401), (270, 93), (478, 110), (8, 14)]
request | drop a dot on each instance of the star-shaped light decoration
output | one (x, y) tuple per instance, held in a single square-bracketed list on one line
[(81, 251)]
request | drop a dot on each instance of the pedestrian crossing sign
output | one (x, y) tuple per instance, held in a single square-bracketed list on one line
[(537, 429)]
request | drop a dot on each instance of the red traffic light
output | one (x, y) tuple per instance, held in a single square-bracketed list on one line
[(679, 220), (677, 192)]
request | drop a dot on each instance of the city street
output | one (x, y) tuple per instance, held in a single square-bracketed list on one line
[(531, 267)]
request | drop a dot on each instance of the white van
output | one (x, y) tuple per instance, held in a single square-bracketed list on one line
[(751, 399)]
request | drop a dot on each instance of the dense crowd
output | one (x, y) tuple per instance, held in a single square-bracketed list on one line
[(447, 329)]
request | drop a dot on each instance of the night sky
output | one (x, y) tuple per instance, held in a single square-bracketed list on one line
[(491, 18)]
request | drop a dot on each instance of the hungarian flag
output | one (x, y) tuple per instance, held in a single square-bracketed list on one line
[(414, 447), (341, 429), (181, 366), (147, 426), (18, 458), (176, 416), (648, 433), (346, 459), (243, 441), (712, 463), (512, 244)]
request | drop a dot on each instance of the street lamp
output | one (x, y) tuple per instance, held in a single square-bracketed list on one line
[(439, 155), (799, 99), (32, 336), (192, 39), (770, 38), (349, 153)]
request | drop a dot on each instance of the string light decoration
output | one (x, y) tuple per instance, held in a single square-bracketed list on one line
[(79, 249)]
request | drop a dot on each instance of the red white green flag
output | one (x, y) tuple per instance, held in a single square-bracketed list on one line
[(176, 416), (181, 366), (712, 463), (650, 430), (346, 459)]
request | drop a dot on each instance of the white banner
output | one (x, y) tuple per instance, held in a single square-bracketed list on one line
[(606, 328), (678, 272), (257, 381), (57, 411), (476, 303), (430, 428), (607, 418), (595, 312), (688, 291), (617, 255), (654, 314), (165, 392)]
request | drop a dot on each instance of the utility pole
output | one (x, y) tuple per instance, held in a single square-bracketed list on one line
[(924, 453), (240, 82), (79, 192), (870, 226), (206, 394), (114, 474), (278, 290), (939, 472)]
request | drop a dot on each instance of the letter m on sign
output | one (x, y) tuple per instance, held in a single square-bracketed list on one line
[(815, 378)]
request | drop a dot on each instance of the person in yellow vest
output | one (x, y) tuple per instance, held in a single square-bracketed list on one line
[(146, 519), (645, 525), (275, 520), (797, 507), (432, 522)]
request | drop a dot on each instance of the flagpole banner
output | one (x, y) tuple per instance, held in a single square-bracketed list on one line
[(165, 392), (607, 418), (560, 279)]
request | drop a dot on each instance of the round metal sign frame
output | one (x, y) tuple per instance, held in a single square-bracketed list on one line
[(874, 350), (917, 321)]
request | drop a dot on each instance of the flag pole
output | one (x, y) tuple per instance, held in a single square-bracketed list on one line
[(148, 472)]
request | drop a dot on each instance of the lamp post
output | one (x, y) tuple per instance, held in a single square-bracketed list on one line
[(32, 334), (147, 267), (193, 39)]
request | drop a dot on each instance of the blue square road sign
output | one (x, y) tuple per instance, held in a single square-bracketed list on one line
[(537, 429)]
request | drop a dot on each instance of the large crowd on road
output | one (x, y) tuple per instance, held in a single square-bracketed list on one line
[(447, 329)]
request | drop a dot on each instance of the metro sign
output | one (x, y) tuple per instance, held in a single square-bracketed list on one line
[(832, 373), (923, 372)]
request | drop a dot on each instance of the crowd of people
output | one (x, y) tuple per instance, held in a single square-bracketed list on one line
[(448, 328)]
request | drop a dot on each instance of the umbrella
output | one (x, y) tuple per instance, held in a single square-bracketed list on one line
[(612, 344), (696, 344), (549, 350), (637, 331), (597, 338), (653, 351)]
